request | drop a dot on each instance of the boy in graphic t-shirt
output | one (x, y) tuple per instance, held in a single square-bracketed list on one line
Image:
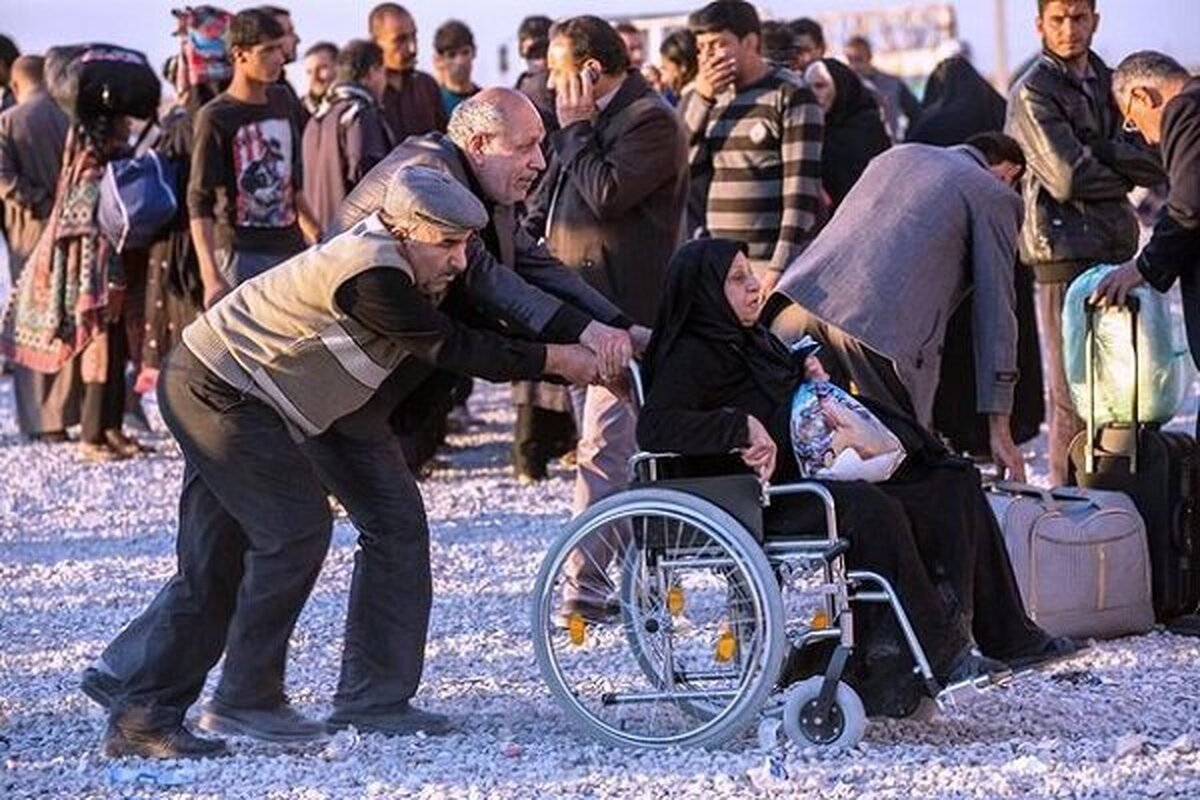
[(244, 196)]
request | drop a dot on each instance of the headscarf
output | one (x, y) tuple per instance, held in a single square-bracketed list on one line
[(854, 130), (958, 104), (694, 304)]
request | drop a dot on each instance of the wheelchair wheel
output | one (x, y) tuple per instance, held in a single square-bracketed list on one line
[(843, 727), (698, 642)]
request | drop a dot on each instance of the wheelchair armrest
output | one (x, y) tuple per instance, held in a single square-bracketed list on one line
[(642, 457), (818, 491)]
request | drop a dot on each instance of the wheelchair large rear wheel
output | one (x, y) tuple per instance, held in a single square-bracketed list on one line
[(658, 622)]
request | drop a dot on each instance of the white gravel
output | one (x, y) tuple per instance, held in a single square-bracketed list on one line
[(83, 548)]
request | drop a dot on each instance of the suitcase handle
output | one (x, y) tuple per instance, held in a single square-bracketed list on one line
[(1133, 306), (1051, 498)]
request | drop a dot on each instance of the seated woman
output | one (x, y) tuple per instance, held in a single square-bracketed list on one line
[(718, 381)]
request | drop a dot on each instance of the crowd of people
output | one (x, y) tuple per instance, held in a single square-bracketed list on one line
[(345, 260)]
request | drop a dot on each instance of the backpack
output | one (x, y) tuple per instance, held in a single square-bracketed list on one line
[(204, 55), (137, 200), (94, 80)]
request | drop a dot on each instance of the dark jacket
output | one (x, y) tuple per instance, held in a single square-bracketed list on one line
[(32, 136), (344, 139), (1080, 169), (616, 191), (537, 294), (1174, 250), (412, 105)]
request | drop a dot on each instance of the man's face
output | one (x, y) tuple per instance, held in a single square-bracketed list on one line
[(1007, 173), (560, 62), (807, 51), (319, 69), (1067, 28), (436, 262), (263, 62), (456, 65), (396, 35), (635, 47), (712, 48), (507, 164), (1143, 109), (291, 42), (859, 58)]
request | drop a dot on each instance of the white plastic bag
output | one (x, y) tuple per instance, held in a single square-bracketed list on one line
[(834, 437)]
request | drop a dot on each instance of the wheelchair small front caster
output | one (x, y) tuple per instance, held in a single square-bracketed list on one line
[(842, 727)]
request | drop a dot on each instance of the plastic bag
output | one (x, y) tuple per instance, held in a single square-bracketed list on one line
[(835, 437), (1163, 370)]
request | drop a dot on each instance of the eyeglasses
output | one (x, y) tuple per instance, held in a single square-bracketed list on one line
[(1128, 125)]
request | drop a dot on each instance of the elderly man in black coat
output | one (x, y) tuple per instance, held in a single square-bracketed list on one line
[(1160, 99)]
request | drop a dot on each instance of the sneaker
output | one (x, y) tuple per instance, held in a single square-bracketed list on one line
[(406, 721), (177, 742), (280, 724), (100, 686)]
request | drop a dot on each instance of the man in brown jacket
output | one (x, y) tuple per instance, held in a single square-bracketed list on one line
[(613, 202), (32, 136), (412, 104)]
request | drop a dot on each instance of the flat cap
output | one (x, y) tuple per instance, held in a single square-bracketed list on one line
[(420, 196)]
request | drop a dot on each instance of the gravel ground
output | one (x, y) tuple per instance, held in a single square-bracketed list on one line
[(84, 547)]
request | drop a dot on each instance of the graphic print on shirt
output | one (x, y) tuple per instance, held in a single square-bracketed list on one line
[(262, 160)]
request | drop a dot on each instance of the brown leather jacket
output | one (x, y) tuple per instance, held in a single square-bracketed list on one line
[(1080, 169)]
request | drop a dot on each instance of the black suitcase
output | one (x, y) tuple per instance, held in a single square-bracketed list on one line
[(1161, 471)]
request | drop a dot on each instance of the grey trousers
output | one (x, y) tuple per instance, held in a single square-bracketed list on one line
[(47, 403), (607, 440), (1064, 422)]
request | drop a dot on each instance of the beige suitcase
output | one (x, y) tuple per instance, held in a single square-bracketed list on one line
[(1081, 558)]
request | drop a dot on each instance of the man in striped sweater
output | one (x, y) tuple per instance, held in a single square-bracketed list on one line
[(757, 131)]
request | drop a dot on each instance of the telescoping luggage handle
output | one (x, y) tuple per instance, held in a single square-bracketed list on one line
[(1132, 306)]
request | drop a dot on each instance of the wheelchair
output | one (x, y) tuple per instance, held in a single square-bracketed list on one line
[(683, 616)]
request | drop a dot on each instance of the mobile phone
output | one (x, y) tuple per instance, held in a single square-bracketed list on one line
[(591, 74)]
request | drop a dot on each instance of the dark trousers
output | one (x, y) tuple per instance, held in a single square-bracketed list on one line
[(254, 527), (390, 591), (540, 434), (104, 403)]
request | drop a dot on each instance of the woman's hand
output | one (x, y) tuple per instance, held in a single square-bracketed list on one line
[(814, 370), (760, 455)]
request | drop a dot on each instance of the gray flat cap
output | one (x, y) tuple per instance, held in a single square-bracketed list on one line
[(419, 195)]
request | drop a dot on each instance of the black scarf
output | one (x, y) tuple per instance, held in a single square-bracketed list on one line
[(694, 304), (854, 131), (958, 104)]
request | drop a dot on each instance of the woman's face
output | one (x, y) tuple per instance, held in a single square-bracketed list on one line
[(821, 83), (742, 291)]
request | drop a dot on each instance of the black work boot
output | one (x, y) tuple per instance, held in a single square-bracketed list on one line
[(101, 687), (405, 720), (168, 742)]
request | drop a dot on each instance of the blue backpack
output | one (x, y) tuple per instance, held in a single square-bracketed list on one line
[(137, 200)]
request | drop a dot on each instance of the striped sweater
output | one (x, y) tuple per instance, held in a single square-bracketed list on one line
[(762, 149)]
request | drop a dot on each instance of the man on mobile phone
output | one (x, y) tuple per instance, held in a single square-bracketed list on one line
[(612, 209)]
